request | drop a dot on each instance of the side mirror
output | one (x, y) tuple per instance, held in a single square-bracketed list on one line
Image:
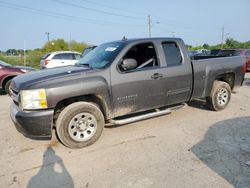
[(129, 64)]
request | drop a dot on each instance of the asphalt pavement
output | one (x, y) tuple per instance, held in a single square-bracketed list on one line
[(192, 147)]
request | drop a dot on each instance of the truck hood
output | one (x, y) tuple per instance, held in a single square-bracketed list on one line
[(30, 80)]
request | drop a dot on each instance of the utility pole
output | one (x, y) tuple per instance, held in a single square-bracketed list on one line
[(222, 36), (173, 34), (47, 33), (149, 25), (24, 54), (70, 41)]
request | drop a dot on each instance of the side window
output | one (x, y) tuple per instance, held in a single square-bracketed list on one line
[(57, 56), (172, 53), (67, 56), (140, 56)]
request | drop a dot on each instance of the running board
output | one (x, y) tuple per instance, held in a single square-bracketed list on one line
[(158, 112)]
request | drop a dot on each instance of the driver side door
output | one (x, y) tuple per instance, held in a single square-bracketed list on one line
[(140, 88)]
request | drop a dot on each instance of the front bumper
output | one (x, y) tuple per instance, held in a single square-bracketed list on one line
[(33, 124)]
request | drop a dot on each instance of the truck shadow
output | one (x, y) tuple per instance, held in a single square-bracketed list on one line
[(198, 103), (226, 150), (52, 173)]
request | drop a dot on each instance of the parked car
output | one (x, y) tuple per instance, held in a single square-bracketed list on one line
[(214, 52), (202, 52), (117, 79), (59, 59), (230, 52), (8, 72), (87, 50)]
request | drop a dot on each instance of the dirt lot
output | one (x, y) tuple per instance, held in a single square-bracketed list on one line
[(192, 147)]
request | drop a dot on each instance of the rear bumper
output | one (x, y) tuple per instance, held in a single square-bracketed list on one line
[(33, 124)]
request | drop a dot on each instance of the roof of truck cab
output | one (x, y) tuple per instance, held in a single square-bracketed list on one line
[(58, 52), (144, 39)]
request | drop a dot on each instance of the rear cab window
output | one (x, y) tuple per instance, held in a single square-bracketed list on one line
[(172, 53)]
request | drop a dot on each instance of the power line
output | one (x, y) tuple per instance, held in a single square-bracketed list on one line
[(61, 16), (162, 20), (114, 8), (94, 10), (79, 19)]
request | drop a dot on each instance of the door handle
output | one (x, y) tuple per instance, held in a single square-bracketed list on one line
[(156, 76)]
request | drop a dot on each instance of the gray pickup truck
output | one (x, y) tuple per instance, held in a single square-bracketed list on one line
[(117, 83)]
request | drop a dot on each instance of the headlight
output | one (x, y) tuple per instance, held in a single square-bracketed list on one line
[(33, 99)]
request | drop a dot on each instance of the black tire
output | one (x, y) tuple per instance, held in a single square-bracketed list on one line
[(7, 87), (75, 123), (220, 96)]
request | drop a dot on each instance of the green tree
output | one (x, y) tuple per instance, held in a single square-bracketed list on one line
[(205, 46), (76, 46), (55, 45), (34, 57), (231, 43), (246, 44)]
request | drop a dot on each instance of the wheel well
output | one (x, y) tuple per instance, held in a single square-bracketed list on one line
[(86, 98), (228, 78), (6, 80)]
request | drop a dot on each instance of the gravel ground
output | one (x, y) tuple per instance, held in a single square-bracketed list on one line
[(192, 147)]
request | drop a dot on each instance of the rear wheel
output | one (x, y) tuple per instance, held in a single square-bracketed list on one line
[(79, 125), (220, 96)]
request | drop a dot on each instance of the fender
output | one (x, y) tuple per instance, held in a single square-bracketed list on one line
[(81, 89)]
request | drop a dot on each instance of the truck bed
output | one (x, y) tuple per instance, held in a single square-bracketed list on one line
[(206, 70)]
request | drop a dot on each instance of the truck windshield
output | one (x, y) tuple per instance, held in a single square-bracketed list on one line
[(102, 56)]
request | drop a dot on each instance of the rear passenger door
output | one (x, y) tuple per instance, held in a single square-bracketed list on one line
[(67, 59), (178, 73)]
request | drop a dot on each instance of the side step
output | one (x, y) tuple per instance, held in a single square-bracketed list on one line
[(158, 112)]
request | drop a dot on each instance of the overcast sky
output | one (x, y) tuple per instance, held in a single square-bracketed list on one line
[(95, 22)]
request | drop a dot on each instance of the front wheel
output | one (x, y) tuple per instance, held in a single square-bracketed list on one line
[(220, 96), (79, 124), (7, 87)]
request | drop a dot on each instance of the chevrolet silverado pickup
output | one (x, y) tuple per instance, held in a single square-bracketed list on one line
[(117, 83)]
